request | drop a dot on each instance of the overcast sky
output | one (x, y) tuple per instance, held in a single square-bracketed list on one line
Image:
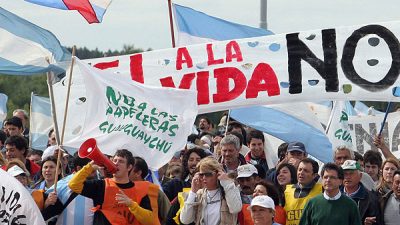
[(144, 23)]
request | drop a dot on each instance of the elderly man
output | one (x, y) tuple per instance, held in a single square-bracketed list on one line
[(331, 207), (230, 158), (391, 202), (343, 153), (262, 210), (297, 195), (367, 201)]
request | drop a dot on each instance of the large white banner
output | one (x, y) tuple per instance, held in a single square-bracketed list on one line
[(364, 128), (346, 63), (151, 122)]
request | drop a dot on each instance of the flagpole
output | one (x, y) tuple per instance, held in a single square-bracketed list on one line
[(227, 121), (53, 107), (171, 23), (30, 125), (389, 106), (263, 14), (330, 117), (65, 117)]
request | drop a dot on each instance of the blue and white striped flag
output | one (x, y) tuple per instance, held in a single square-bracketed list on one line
[(41, 122), (197, 27), (78, 211), (25, 47), (289, 122)]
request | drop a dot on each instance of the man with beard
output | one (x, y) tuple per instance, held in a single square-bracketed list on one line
[(190, 160), (204, 125), (247, 179)]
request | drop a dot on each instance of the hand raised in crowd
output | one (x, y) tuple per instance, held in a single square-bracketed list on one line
[(294, 161), (216, 139), (95, 166), (379, 142), (196, 183), (222, 175), (369, 220), (122, 198), (51, 199)]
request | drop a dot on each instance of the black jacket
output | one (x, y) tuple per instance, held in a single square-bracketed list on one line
[(368, 204)]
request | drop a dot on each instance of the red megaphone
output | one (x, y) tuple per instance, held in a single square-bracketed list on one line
[(89, 150)]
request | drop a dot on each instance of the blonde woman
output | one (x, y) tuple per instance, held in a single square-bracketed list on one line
[(389, 166), (217, 203)]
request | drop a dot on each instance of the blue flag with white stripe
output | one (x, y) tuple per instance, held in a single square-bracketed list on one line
[(289, 122), (197, 27), (26, 48), (78, 211), (41, 122)]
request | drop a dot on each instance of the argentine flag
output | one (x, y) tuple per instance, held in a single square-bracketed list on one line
[(196, 27), (27, 49), (41, 122)]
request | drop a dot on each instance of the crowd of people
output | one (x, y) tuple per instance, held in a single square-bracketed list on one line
[(221, 177)]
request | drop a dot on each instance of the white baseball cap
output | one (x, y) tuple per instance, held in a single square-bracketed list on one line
[(264, 201), (246, 170), (15, 171)]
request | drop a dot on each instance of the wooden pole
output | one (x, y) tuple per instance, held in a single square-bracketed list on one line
[(30, 125), (65, 118), (53, 107), (171, 23)]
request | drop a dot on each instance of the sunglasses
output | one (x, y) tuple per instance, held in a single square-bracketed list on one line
[(206, 174)]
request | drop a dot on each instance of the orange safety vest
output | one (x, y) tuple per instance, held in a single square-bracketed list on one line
[(38, 197), (119, 214), (244, 216)]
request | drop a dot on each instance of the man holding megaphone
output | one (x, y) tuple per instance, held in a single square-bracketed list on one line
[(117, 200)]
